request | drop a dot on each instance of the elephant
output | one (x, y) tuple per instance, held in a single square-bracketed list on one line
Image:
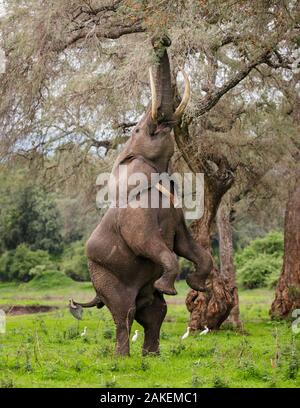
[(132, 253)]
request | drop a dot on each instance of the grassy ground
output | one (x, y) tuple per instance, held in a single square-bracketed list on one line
[(46, 350)]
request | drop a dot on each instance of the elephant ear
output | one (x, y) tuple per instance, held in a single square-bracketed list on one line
[(76, 310)]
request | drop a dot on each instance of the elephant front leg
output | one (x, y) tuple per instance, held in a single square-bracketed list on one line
[(188, 248), (158, 252), (169, 262), (144, 239)]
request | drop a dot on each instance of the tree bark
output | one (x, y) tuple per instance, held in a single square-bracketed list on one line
[(212, 308), (227, 255), (287, 296)]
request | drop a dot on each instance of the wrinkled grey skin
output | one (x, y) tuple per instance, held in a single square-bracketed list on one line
[(132, 252)]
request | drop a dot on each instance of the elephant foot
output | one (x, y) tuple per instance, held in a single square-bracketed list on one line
[(165, 285), (195, 282)]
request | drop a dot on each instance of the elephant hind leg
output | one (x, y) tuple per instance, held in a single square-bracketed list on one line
[(119, 299), (151, 318), (123, 322), (123, 311)]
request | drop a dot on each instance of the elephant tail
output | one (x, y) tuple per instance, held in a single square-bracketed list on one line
[(95, 302), (76, 307)]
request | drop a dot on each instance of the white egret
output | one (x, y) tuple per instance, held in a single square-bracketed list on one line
[(205, 331), (186, 334), (135, 336), (84, 332)]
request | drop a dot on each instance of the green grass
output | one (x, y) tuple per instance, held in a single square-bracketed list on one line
[(46, 350)]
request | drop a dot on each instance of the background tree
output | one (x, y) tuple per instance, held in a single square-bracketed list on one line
[(287, 297), (288, 289), (32, 219)]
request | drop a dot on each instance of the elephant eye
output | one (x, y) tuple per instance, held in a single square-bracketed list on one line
[(137, 130)]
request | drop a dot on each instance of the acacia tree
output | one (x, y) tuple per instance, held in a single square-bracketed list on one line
[(251, 162), (287, 296), (77, 71), (288, 289)]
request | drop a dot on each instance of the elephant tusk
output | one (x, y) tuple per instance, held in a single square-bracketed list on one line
[(173, 199), (186, 97), (153, 96)]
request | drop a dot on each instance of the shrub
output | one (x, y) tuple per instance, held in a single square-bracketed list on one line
[(273, 278), (74, 262), (17, 264), (259, 264), (271, 244), (32, 218), (49, 279), (256, 272)]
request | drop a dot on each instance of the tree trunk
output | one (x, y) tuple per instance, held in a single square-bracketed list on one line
[(287, 296), (226, 255), (212, 308)]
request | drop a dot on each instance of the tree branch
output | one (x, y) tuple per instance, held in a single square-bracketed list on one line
[(113, 33), (208, 125), (124, 126), (212, 98), (109, 144)]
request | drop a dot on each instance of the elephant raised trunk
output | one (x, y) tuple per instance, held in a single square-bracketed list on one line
[(151, 138), (162, 109)]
